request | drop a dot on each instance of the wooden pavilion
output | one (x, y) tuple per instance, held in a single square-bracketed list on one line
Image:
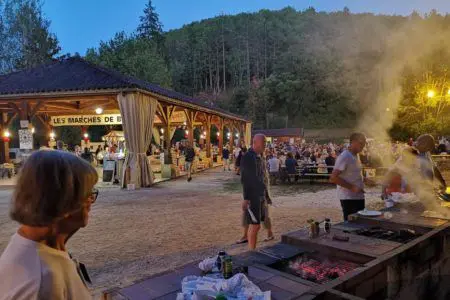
[(74, 92)]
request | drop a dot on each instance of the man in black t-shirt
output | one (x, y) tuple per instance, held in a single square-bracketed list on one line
[(189, 154), (226, 159)]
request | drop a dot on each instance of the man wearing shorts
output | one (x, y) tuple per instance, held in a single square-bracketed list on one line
[(253, 177), (189, 153)]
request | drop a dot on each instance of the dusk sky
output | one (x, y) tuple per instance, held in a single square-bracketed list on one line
[(80, 24)]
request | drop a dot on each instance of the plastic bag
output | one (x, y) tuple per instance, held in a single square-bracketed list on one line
[(208, 264), (238, 287)]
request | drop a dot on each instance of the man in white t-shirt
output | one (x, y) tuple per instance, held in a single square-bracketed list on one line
[(347, 175)]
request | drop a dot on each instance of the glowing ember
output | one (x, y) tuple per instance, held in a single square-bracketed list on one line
[(320, 272)]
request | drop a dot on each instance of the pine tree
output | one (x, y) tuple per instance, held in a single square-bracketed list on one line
[(150, 27)]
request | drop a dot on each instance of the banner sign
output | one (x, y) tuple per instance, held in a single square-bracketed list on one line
[(25, 139), (84, 120)]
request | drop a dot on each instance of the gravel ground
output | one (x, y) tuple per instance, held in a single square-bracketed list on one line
[(134, 234)]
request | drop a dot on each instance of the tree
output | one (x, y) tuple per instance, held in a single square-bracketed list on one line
[(27, 31), (150, 27), (132, 56), (26, 38)]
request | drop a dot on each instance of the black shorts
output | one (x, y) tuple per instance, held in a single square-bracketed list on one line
[(258, 209), (351, 206)]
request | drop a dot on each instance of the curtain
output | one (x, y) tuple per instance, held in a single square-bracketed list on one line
[(157, 136), (248, 135), (138, 114)]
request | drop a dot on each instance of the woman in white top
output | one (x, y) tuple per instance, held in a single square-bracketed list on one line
[(51, 201)]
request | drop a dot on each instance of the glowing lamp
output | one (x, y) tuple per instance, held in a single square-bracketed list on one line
[(52, 135), (431, 94), (187, 131), (33, 130), (86, 135), (6, 136), (99, 110), (218, 133), (162, 130)]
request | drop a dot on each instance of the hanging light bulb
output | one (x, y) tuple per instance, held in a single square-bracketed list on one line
[(6, 134), (187, 131), (218, 133), (52, 135), (204, 132), (162, 130), (99, 110), (33, 130), (86, 135)]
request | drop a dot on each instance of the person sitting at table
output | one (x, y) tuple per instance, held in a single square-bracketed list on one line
[(274, 168), (330, 160), (291, 167)]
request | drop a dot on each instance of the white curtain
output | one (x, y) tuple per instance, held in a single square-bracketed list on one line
[(138, 113), (248, 135)]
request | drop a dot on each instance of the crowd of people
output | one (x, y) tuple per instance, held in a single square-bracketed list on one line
[(411, 170), (56, 189)]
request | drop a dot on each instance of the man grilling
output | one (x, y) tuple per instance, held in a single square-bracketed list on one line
[(414, 171)]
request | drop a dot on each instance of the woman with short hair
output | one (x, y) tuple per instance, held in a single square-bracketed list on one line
[(51, 201)]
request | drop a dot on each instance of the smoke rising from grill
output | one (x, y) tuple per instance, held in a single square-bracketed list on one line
[(383, 50)]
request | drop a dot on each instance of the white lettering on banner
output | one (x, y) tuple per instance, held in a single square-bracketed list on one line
[(83, 120)]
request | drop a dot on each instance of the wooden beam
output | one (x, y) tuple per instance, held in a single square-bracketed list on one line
[(10, 119), (14, 107), (35, 109), (62, 106)]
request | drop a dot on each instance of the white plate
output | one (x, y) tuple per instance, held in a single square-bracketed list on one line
[(370, 213)]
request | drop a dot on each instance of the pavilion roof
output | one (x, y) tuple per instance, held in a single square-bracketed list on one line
[(75, 74), (281, 132)]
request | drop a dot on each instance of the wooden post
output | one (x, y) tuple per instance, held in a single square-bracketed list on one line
[(190, 118), (220, 137), (231, 131), (208, 136), (4, 146)]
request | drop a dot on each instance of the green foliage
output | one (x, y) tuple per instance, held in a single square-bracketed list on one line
[(132, 56), (150, 27), (26, 39)]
